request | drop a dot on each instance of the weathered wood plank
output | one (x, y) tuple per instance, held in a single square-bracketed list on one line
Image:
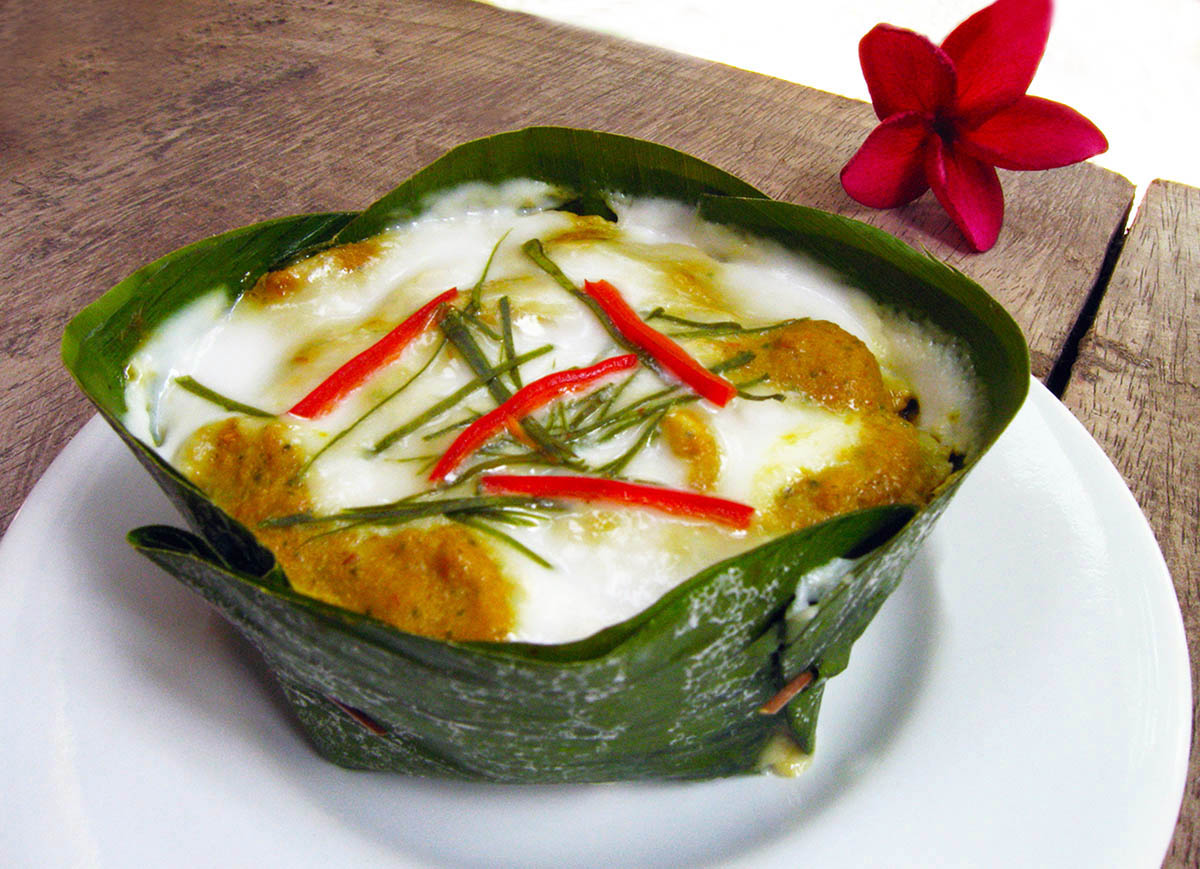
[(1136, 386)]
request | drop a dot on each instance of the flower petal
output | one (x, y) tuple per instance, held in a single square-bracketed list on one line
[(1033, 133), (968, 189), (996, 52), (905, 72), (889, 167)]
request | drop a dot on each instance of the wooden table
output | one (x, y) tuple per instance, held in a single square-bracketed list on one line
[(130, 128)]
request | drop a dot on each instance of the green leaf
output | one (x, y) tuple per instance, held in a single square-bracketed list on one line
[(672, 692), (100, 339), (584, 163), (642, 699)]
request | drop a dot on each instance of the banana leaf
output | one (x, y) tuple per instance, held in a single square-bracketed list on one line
[(671, 693)]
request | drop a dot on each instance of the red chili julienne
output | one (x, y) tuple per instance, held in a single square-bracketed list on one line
[(677, 502), (523, 402), (354, 373), (658, 346)]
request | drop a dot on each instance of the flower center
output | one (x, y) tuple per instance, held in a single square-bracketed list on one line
[(945, 127)]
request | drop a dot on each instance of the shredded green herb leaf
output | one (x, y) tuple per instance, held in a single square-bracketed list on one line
[(506, 538), (456, 330), (488, 376), (337, 437), (477, 290), (506, 335), (708, 329), (495, 507), (534, 250), (190, 384)]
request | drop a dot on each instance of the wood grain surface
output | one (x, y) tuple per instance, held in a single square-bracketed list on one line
[(130, 127), (1136, 387)]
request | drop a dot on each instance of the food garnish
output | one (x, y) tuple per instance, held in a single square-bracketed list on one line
[(525, 401), (629, 330), (678, 502), (354, 373)]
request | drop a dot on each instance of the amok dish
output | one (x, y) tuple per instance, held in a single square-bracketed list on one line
[(505, 421), (545, 476)]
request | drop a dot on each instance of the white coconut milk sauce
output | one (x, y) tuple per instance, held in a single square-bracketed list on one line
[(608, 562)]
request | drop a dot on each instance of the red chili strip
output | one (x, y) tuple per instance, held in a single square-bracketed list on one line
[(355, 373), (577, 488), (523, 402), (658, 346)]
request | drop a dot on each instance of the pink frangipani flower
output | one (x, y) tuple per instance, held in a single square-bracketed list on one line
[(951, 114)]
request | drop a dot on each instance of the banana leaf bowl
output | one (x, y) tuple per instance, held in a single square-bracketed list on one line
[(675, 692)]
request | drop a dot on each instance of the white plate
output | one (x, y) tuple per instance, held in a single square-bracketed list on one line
[(1024, 698)]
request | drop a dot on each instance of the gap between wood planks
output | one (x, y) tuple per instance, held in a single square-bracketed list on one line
[(1060, 373)]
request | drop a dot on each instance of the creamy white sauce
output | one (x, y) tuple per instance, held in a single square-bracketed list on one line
[(608, 563)]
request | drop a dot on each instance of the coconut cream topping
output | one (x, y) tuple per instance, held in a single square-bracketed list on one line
[(874, 409)]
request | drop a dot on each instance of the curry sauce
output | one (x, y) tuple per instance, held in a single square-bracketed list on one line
[(828, 403), (890, 463), (438, 580)]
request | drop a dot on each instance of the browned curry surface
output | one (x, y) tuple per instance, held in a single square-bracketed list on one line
[(892, 462), (888, 465), (435, 579), (821, 360), (688, 436), (277, 285)]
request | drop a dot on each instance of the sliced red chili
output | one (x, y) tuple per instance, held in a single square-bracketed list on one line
[(662, 349), (354, 373), (523, 402), (677, 502)]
